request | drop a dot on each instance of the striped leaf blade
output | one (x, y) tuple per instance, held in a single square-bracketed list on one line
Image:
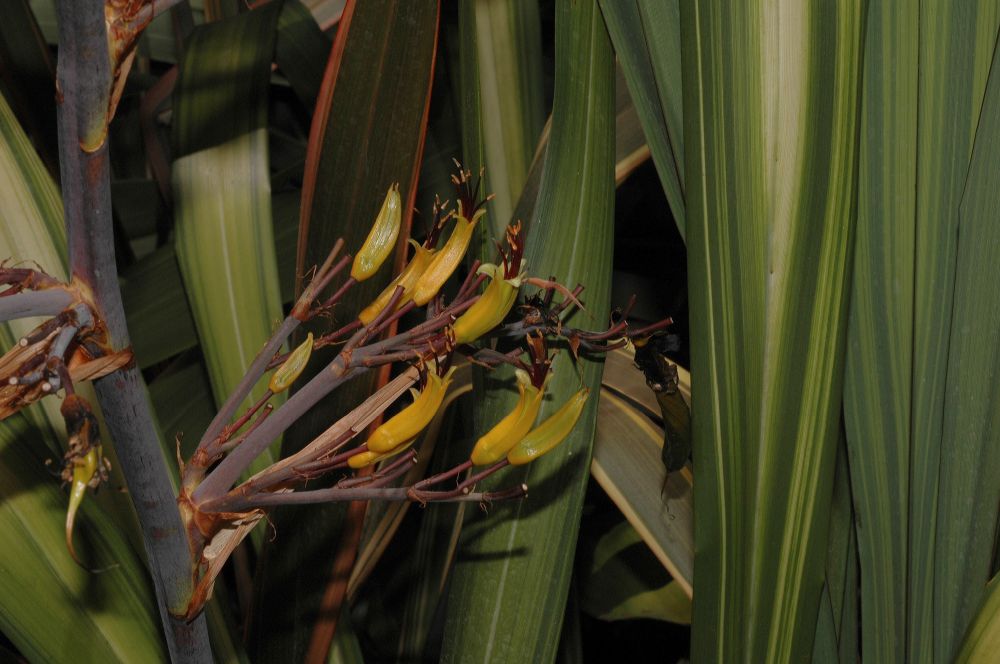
[(969, 475), (770, 130), (923, 90), (879, 378), (502, 101), (107, 617), (956, 44), (222, 194), (508, 592)]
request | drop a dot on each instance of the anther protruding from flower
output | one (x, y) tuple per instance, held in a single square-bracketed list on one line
[(470, 209), (498, 299)]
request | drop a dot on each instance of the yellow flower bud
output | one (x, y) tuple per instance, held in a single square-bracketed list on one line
[(549, 433), (292, 367), (407, 279), (381, 239), (509, 431), (490, 309), (367, 458), (414, 418), (446, 260)]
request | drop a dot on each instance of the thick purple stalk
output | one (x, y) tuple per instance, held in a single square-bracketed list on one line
[(83, 79)]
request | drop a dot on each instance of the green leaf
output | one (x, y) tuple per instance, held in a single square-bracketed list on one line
[(877, 390), (301, 51), (371, 116), (956, 45), (502, 101), (837, 629), (923, 94), (982, 640), (771, 132), (646, 36), (969, 474), (78, 616), (627, 465), (625, 581), (510, 582), (156, 308), (222, 195)]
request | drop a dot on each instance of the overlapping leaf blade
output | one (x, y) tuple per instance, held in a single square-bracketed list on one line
[(925, 79), (969, 475), (646, 37)]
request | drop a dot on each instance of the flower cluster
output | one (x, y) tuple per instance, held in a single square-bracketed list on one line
[(218, 509)]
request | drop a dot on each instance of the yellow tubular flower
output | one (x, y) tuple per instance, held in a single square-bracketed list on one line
[(490, 309), (362, 459), (407, 279), (509, 431), (291, 368), (414, 418), (446, 260), (549, 433), (381, 239)]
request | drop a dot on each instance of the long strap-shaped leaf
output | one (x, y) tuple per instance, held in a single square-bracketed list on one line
[(771, 91), (956, 42), (969, 475), (500, 68), (78, 616), (925, 77), (646, 36), (877, 390), (222, 192), (510, 582)]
